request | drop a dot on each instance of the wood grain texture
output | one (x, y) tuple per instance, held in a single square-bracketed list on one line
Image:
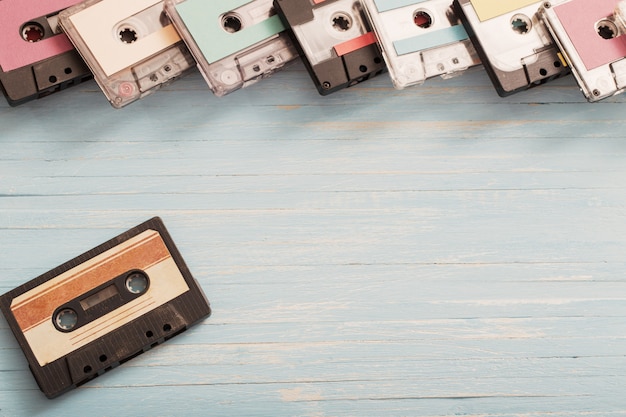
[(435, 251)]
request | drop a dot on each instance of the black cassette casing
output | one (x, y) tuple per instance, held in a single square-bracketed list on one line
[(43, 78)]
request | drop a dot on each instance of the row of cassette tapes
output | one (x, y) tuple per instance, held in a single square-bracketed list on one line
[(134, 48)]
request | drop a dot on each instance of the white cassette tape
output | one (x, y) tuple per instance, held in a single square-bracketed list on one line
[(235, 42), (420, 39), (591, 36), (130, 46), (513, 44)]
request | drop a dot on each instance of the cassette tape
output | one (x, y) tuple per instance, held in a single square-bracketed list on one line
[(36, 59), (420, 39), (130, 46), (590, 34), (334, 40), (103, 307), (512, 43), (235, 42)]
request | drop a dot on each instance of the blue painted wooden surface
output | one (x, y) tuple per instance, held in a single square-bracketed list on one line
[(435, 251)]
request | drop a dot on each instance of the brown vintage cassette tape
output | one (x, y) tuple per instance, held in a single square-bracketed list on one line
[(104, 307)]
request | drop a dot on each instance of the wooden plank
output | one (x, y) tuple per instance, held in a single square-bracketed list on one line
[(435, 251)]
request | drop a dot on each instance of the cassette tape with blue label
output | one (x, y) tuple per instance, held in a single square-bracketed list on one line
[(512, 43), (334, 40), (36, 59), (420, 39), (130, 46), (235, 42), (591, 34)]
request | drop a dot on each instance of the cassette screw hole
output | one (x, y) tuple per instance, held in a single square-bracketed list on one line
[(363, 68), (341, 22), (543, 72), (154, 78), (231, 23), (167, 68), (422, 19), (596, 93), (167, 327), (87, 369), (32, 32), (66, 319), (377, 60), (136, 283), (256, 68), (557, 64), (326, 85), (128, 35), (521, 24), (52, 79), (149, 334), (270, 59), (606, 29), (103, 358), (68, 71)]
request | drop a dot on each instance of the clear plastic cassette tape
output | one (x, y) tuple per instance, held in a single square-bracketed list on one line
[(334, 40), (130, 46), (590, 34), (235, 42), (36, 59), (513, 44), (420, 39)]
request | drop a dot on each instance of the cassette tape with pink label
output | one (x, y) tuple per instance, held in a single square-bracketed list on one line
[(591, 36), (36, 58)]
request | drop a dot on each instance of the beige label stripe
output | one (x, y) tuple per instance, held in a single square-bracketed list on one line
[(40, 306)]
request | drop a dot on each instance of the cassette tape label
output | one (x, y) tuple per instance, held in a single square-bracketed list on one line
[(15, 50), (35, 309), (122, 49), (488, 9), (431, 40), (355, 44), (217, 41), (579, 19), (386, 5)]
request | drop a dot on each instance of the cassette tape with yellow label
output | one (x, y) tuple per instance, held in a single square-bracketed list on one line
[(591, 36), (235, 42), (420, 39), (130, 46), (334, 40), (103, 307), (36, 59), (512, 43)]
